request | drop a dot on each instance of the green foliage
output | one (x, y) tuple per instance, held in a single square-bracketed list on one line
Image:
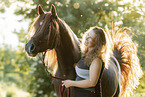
[(10, 94), (11, 90), (27, 73), (3, 4), (10, 67), (40, 84), (139, 39), (80, 15), (141, 87)]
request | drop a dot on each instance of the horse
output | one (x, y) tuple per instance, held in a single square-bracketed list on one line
[(53, 35)]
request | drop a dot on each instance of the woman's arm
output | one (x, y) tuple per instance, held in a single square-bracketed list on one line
[(94, 73)]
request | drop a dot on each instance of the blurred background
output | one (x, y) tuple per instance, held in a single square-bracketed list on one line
[(22, 76)]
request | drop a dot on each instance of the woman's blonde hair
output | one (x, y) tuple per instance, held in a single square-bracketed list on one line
[(100, 48)]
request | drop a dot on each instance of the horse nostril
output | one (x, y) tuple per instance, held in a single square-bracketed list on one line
[(32, 48)]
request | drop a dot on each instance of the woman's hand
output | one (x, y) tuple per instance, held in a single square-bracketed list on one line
[(67, 83)]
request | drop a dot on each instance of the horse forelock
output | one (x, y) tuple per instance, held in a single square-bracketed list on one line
[(41, 22)]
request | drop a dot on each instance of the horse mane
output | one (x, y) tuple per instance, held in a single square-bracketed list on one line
[(51, 60), (70, 32), (51, 56), (33, 27), (125, 51)]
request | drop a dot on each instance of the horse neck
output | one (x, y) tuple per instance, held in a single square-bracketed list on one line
[(68, 51)]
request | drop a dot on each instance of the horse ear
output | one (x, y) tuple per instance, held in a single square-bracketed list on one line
[(40, 10), (53, 11)]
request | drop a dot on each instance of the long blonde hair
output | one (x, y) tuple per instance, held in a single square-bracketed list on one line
[(100, 48)]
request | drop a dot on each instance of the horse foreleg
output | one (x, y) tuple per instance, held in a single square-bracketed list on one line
[(57, 83)]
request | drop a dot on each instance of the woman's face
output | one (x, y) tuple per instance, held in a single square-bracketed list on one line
[(90, 39)]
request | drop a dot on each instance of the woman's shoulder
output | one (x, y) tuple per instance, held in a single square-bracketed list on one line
[(97, 60)]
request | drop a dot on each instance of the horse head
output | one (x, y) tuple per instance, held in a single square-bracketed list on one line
[(45, 31)]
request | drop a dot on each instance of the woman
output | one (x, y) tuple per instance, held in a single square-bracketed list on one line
[(90, 67)]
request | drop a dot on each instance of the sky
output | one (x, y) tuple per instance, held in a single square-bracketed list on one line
[(9, 23)]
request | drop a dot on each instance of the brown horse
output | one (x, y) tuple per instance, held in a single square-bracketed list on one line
[(50, 32)]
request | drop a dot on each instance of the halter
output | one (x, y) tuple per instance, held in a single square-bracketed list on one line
[(56, 36)]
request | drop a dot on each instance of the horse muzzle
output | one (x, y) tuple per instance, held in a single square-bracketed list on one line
[(31, 48)]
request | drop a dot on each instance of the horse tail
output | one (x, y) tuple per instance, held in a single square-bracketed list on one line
[(125, 51)]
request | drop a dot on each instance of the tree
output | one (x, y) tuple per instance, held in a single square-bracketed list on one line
[(9, 67), (38, 83), (82, 14)]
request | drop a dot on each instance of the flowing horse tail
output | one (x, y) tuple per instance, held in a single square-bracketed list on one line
[(125, 51)]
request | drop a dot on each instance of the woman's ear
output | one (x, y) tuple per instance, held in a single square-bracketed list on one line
[(53, 11)]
